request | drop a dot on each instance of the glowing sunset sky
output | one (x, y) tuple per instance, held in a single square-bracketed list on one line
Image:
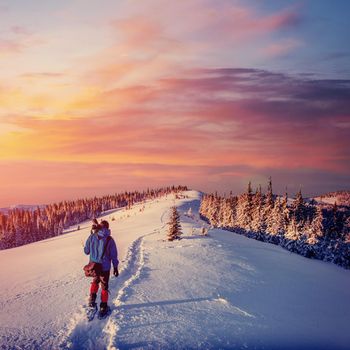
[(103, 96)]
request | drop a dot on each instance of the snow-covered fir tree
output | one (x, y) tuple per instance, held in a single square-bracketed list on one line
[(245, 209), (314, 230), (277, 221), (19, 226), (174, 226), (299, 210), (316, 227), (268, 220), (257, 215)]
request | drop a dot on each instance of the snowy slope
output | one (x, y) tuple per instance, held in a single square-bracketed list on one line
[(339, 197), (221, 291)]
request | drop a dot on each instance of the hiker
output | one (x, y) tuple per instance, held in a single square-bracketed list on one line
[(102, 249)]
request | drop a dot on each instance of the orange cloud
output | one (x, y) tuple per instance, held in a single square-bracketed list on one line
[(134, 104), (196, 121)]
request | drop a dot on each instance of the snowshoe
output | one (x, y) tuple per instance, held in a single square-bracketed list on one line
[(91, 311), (105, 310)]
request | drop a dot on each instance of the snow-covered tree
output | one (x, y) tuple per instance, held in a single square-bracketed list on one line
[(308, 228), (214, 210), (269, 203), (18, 226), (298, 209), (245, 209), (174, 229), (316, 227), (277, 221), (257, 216)]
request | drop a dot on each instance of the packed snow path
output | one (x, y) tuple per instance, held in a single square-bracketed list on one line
[(218, 292)]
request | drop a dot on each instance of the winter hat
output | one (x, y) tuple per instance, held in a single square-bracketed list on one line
[(105, 224)]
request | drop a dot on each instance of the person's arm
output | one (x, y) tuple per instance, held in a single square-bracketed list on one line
[(87, 246), (113, 253)]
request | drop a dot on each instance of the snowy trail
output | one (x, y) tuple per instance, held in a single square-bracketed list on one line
[(82, 334), (135, 262), (226, 291), (40, 303)]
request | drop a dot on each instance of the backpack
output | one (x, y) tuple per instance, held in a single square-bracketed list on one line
[(93, 269)]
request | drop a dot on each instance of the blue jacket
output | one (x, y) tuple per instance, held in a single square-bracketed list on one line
[(94, 246)]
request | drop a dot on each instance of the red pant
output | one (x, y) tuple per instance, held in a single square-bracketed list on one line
[(102, 278)]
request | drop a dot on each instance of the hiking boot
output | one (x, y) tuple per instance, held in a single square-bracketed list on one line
[(103, 310), (92, 300)]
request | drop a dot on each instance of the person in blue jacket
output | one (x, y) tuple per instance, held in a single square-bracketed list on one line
[(99, 240)]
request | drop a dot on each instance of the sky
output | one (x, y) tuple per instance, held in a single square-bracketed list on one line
[(101, 97)]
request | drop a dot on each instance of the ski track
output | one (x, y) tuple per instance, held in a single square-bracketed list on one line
[(94, 335)]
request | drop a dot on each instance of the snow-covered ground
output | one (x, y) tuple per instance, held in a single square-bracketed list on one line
[(219, 292), (339, 197)]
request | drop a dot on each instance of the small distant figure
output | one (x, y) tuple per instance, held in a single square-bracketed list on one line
[(102, 250), (78, 228), (189, 213), (204, 231)]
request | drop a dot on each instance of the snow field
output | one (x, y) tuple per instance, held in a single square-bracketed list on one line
[(223, 291), (226, 291), (45, 287)]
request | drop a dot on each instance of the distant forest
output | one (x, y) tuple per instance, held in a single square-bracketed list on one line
[(20, 226), (309, 228)]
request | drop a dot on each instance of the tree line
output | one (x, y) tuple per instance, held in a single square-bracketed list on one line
[(23, 226), (314, 230)]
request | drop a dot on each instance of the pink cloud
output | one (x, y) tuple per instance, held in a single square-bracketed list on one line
[(281, 48), (228, 23), (17, 39), (250, 117), (10, 46)]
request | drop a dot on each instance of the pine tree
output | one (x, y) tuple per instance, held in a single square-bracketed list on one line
[(257, 217), (174, 230), (285, 211), (214, 210), (277, 220), (316, 227), (225, 213), (299, 208), (310, 229), (268, 208), (269, 194), (19, 226), (245, 209), (292, 232), (336, 225)]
